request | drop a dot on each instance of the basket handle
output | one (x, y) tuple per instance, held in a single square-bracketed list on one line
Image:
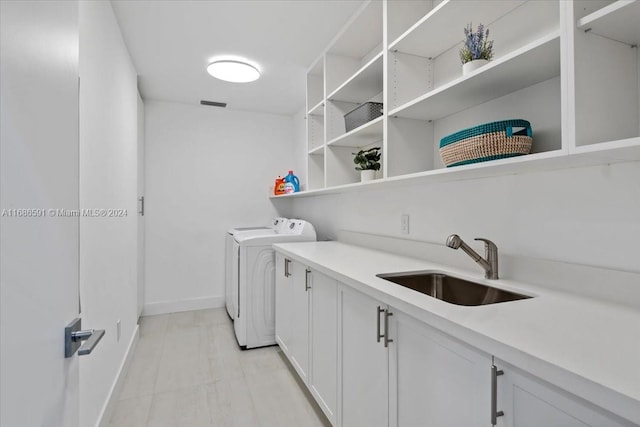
[(521, 130)]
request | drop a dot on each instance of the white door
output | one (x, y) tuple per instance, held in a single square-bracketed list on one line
[(39, 183), (299, 347), (140, 224), (362, 362), (529, 402), (324, 342), (436, 378)]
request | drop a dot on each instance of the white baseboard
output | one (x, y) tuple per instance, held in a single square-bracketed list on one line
[(164, 307), (116, 387)]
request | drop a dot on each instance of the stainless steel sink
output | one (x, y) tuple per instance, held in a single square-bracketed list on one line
[(451, 289)]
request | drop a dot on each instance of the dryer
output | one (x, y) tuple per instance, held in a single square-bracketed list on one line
[(276, 226), (254, 315)]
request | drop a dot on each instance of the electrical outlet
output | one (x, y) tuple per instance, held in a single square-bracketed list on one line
[(404, 224), (118, 330)]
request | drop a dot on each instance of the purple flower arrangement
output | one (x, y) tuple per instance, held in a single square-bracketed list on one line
[(476, 45)]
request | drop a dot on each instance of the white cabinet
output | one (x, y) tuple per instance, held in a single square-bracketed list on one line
[(299, 347), (529, 402), (362, 361), (367, 363), (306, 328), (323, 342), (435, 379), (292, 313), (397, 371)]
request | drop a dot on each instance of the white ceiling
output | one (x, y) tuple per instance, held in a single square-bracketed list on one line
[(172, 42)]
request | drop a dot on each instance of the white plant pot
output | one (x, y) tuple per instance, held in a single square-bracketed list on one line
[(367, 175), (471, 66)]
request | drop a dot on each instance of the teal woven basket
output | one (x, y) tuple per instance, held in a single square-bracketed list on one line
[(490, 141)]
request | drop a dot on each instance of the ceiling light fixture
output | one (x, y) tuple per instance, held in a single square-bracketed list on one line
[(233, 71)]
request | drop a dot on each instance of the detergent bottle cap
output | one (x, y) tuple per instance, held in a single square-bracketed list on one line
[(290, 172)]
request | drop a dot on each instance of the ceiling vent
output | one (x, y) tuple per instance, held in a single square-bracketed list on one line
[(213, 103)]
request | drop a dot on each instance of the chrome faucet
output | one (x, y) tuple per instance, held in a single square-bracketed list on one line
[(490, 264)]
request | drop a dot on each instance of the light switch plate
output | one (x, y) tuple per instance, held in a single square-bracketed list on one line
[(404, 224)]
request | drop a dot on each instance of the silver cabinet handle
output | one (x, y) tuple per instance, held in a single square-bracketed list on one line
[(306, 279), (141, 200), (387, 313), (379, 335), (92, 337), (286, 267), (495, 373), (74, 335)]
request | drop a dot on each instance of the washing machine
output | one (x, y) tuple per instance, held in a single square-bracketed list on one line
[(254, 315), (277, 225)]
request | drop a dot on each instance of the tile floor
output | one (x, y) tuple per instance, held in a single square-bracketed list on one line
[(188, 371)]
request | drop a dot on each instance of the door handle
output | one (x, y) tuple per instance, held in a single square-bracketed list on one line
[(306, 279), (286, 267), (74, 335), (378, 334), (387, 313), (495, 373), (141, 200)]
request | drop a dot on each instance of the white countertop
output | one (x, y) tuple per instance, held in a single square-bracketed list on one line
[(587, 347)]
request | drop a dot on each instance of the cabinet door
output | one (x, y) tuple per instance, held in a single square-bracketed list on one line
[(324, 342), (283, 303), (362, 362), (434, 379), (299, 342), (529, 402)]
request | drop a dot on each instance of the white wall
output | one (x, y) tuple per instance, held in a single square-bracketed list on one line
[(587, 215), (207, 170), (108, 137)]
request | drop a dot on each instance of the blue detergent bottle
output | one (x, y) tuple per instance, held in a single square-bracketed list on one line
[(292, 183)]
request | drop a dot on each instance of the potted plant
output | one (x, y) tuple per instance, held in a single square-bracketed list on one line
[(477, 49), (368, 162)]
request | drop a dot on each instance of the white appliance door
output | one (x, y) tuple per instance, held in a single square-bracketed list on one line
[(39, 259), (259, 314)]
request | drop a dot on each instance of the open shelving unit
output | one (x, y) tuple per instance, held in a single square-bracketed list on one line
[(607, 75), (367, 134), (531, 64), (616, 21), (571, 68), (432, 34)]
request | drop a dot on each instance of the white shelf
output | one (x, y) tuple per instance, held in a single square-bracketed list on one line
[(531, 64), (362, 136), (441, 28), (616, 150), (619, 21), (363, 85), (531, 162), (317, 151), (610, 152), (317, 110), (361, 34)]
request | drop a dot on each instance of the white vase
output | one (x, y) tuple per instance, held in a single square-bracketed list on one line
[(471, 66), (367, 175)]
